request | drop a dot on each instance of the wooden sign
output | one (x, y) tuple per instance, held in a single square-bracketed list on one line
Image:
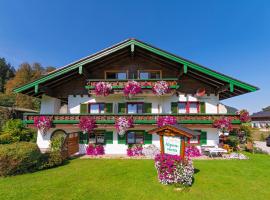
[(172, 145)]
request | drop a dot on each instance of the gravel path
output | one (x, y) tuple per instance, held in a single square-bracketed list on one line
[(263, 146)]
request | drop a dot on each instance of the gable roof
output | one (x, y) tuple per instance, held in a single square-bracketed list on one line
[(176, 129), (187, 64)]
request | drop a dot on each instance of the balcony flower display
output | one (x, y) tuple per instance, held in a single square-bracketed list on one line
[(244, 116), (87, 124), (95, 150), (132, 88), (224, 124), (166, 120), (160, 88), (192, 151), (43, 123), (172, 170), (103, 89), (122, 124), (135, 150)]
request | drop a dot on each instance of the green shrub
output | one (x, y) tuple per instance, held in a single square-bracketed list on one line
[(51, 159), (262, 137), (17, 130), (57, 142), (18, 158), (233, 141), (6, 138), (258, 150)]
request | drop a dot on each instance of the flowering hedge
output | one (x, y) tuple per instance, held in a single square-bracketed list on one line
[(244, 116), (94, 150), (122, 124), (172, 170), (103, 88), (135, 150), (132, 88), (87, 124), (160, 88), (224, 124), (166, 120), (192, 151), (43, 123)]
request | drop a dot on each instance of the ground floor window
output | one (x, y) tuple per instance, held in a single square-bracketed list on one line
[(98, 138), (135, 137), (194, 140)]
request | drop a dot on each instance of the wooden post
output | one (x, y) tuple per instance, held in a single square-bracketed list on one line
[(182, 148), (161, 144)]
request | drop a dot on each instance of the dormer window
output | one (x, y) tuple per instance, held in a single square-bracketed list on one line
[(149, 74), (120, 75)]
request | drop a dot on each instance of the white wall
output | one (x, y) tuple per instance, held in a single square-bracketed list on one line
[(50, 105)]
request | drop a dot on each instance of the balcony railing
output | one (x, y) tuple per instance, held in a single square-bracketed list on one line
[(138, 118), (120, 84)]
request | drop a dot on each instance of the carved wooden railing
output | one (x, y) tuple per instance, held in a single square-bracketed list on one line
[(138, 118)]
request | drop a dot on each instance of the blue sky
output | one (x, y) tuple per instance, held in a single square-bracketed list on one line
[(232, 37)]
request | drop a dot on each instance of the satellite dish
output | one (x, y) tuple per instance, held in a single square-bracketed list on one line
[(200, 92)]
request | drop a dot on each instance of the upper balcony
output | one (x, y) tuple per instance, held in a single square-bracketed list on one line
[(146, 85)]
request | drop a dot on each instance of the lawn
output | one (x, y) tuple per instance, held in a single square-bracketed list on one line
[(136, 179)]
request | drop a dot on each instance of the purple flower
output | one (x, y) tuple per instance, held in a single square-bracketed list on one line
[(94, 150), (160, 88), (103, 88), (132, 88), (87, 124), (122, 124), (166, 120), (43, 123)]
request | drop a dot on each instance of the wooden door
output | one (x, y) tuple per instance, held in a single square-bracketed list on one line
[(73, 143)]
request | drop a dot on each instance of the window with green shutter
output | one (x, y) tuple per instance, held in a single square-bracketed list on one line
[(147, 138), (84, 108), (109, 108), (83, 138), (122, 108), (203, 137), (202, 107), (147, 108), (109, 137), (121, 139), (174, 106)]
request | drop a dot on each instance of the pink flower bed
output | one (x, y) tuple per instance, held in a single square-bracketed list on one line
[(95, 150), (192, 151), (132, 88), (43, 123), (87, 124), (166, 120), (135, 150), (103, 89)]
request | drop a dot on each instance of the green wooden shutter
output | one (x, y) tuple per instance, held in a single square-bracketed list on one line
[(122, 108), (147, 138), (83, 138), (174, 106), (202, 107), (109, 137), (83, 108), (203, 137), (109, 108), (147, 108), (121, 139)]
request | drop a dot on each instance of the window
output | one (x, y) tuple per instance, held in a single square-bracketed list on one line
[(194, 140), (135, 137), (97, 138), (150, 74), (96, 108), (188, 107), (135, 108), (121, 75)]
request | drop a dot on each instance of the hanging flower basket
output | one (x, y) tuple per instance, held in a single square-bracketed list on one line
[(224, 124), (160, 88), (43, 123), (132, 88), (244, 116), (122, 124), (166, 120), (87, 124), (103, 89)]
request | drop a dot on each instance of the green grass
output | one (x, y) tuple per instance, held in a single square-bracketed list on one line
[(137, 179)]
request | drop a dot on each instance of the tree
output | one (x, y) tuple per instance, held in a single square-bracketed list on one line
[(6, 72), (26, 73)]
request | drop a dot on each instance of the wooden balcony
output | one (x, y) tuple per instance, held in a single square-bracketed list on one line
[(139, 119), (118, 85)]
